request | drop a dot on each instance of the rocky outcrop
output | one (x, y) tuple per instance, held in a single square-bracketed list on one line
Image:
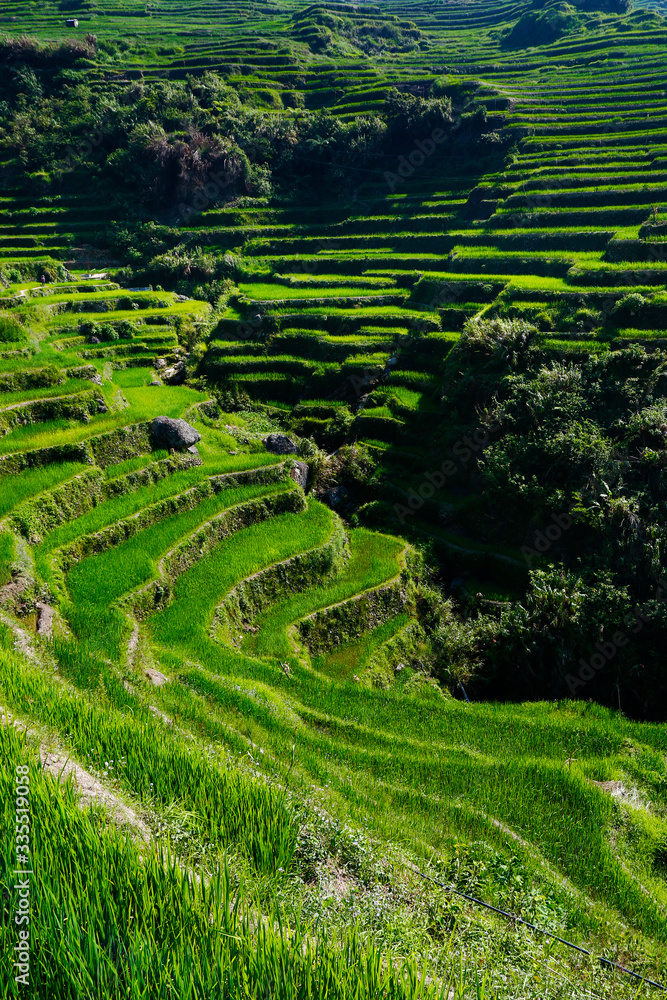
[(176, 374), (168, 433), (336, 496), (44, 619), (280, 444), (155, 677), (299, 473)]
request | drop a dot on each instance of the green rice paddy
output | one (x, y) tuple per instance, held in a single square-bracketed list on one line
[(282, 788)]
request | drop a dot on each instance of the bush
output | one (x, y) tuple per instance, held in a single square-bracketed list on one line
[(191, 264), (269, 99), (89, 329), (442, 86), (126, 330), (217, 292), (409, 117), (107, 332), (11, 331), (233, 400), (542, 27), (629, 307), (293, 99)]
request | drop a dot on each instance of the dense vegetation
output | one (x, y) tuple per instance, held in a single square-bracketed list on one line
[(426, 244)]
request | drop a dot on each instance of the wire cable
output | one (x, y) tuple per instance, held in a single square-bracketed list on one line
[(538, 930)]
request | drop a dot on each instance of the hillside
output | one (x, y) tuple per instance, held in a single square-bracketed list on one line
[(388, 607)]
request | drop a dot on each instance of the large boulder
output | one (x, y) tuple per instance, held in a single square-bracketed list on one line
[(280, 444), (168, 433), (336, 496), (175, 375), (299, 473)]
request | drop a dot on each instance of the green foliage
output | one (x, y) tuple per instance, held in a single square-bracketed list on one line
[(382, 298), (191, 265), (545, 25), (629, 308), (410, 116), (11, 331), (335, 34), (548, 21), (7, 551)]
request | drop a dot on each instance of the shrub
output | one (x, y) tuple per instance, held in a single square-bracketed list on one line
[(629, 307), (543, 26), (107, 332), (89, 329), (11, 330), (126, 330), (189, 263), (442, 86), (410, 116), (269, 99), (293, 99), (233, 400)]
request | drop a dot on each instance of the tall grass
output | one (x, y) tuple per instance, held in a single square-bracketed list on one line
[(97, 582), (114, 920), (374, 559), (158, 767), (15, 489), (198, 591), (6, 556)]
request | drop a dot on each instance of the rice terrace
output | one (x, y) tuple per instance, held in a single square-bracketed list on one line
[(333, 500)]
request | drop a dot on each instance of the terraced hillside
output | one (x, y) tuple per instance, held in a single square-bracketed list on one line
[(398, 612)]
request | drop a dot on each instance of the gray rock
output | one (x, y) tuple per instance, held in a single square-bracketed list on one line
[(155, 677), (176, 374), (168, 433), (155, 381), (44, 619), (299, 473), (160, 715), (447, 512), (280, 444), (336, 495)]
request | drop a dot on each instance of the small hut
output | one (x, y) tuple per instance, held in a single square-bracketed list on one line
[(72, 22)]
